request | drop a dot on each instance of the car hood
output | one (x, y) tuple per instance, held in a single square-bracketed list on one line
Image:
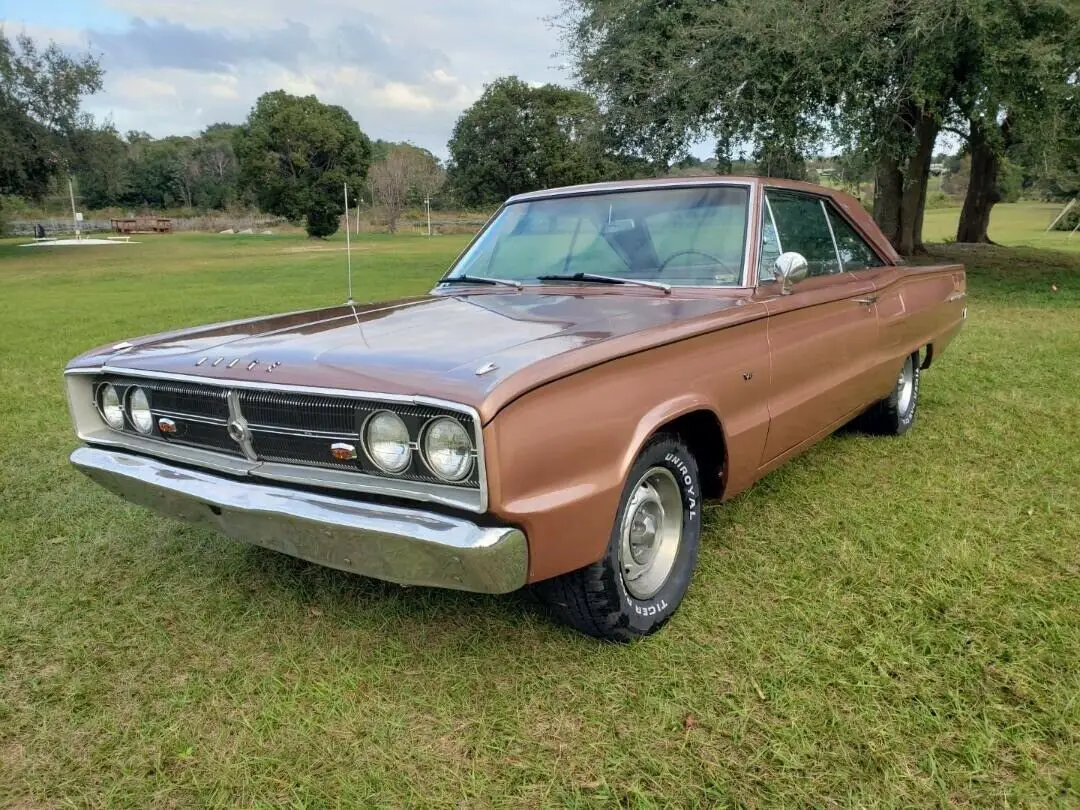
[(457, 347)]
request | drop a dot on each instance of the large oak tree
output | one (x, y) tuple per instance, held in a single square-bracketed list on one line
[(295, 153), (518, 138), (879, 77)]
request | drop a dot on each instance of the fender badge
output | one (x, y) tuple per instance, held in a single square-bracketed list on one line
[(485, 369)]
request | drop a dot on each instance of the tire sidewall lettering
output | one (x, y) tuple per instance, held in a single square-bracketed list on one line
[(660, 605), (909, 417)]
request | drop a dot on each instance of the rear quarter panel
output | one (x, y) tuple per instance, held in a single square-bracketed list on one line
[(558, 456), (918, 306)]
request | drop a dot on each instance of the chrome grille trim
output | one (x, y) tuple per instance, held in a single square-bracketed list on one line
[(470, 495)]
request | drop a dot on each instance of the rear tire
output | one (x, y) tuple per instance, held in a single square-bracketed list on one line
[(895, 415), (645, 571)]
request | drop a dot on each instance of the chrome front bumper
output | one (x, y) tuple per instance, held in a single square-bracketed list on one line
[(399, 544)]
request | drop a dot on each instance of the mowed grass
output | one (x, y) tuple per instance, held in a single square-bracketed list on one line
[(879, 623)]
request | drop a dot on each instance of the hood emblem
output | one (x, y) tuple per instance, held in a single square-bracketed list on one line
[(487, 368)]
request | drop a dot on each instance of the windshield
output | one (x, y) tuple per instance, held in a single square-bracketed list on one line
[(678, 236)]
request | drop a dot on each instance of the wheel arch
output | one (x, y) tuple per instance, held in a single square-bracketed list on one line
[(699, 426)]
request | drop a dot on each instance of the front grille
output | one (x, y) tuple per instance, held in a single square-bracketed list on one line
[(285, 427), (298, 411)]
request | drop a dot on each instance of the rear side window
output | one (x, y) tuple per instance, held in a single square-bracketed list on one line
[(802, 227), (854, 252)]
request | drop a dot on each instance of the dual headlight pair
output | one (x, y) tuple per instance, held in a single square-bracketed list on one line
[(445, 444), (137, 407)]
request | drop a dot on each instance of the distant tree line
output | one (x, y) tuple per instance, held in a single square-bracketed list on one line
[(771, 82)]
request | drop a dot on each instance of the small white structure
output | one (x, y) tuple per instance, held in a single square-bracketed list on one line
[(76, 242)]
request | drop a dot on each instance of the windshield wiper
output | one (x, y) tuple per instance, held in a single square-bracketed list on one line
[(480, 280), (656, 285)]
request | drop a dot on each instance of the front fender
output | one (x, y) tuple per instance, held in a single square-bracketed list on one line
[(557, 457)]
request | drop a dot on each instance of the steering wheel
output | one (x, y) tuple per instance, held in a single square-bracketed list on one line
[(691, 252)]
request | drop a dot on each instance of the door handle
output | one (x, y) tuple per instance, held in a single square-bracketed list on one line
[(869, 300)]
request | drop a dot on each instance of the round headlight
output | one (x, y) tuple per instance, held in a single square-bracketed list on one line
[(387, 441), (448, 449), (139, 411), (109, 405)]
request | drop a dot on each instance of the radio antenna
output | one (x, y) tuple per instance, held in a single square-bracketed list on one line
[(348, 243)]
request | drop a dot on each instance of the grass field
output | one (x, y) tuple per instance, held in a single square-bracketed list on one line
[(879, 623)]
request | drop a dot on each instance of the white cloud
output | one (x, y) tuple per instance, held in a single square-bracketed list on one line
[(404, 70)]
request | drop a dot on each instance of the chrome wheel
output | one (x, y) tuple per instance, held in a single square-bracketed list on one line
[(651, 532), (905, 386)]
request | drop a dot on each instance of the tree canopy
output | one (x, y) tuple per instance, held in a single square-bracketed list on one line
[(518, 138), (877, 77), (41, 90), (295, 153)]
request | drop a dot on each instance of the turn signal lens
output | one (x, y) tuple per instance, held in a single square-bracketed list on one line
[(109, 405), (342, 451)]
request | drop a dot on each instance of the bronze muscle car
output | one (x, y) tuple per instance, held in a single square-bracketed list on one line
[(598, 361)]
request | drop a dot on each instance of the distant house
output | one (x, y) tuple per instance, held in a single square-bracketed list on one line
[(937, 169)]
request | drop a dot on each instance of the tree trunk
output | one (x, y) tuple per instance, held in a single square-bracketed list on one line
[(982, 193), (888, 190), (900, 187), (916, 178)]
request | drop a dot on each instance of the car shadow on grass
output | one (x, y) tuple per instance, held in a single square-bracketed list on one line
[(357, 599)]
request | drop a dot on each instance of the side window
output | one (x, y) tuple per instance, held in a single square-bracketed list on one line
[(854, 252), (802, 227)]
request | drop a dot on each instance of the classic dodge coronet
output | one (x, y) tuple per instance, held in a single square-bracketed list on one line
[(597, 362)]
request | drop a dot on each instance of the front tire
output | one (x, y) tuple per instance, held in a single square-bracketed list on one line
[(645, 572), (895, 415)]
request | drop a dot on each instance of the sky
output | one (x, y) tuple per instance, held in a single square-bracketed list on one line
[(405, 70)]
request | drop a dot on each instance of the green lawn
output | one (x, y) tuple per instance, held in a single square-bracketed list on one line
[(879, 623), (1014, 224)]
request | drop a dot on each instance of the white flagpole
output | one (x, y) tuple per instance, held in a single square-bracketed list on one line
[(348, 243)]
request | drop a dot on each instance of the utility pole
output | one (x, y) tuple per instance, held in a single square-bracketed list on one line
[(427, 204), (74, 215)]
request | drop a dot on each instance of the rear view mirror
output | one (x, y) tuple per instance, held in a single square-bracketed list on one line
[(789, 268)]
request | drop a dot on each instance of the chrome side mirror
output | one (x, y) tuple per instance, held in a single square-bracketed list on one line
[(789, 268)]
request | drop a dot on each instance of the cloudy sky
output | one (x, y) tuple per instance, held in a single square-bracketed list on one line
[(405, 70)]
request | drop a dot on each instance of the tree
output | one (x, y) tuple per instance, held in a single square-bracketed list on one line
[(41, 90), (878, 77), (406, 175), (216, 168), (390, 179), (1020, 66), (101, 166), (518, 138), (295, 154)]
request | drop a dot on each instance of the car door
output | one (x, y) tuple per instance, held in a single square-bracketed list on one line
[(821, 335)]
